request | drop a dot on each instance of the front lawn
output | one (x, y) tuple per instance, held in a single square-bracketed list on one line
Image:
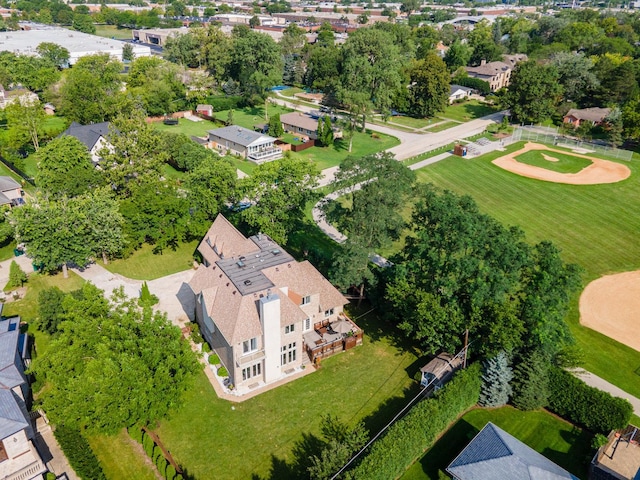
[(144, 264), (559, 441), (260, 438), (557, 162), (442, 126), (121, 457), (413, 122), (470, 110)]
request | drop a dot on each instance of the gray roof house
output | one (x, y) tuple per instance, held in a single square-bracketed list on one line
[(300, 123), (458, 92), (10, 191), (496, 455), (19, 458), (593, 115), (254, 146), (94, 137)]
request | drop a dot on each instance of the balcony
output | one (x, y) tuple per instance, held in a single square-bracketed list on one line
[(330, 338), (266, 154)]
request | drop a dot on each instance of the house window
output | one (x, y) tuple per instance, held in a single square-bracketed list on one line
[(288, 353), (249, 346), (328, 313), (252, 371), (306, 300), (307, 324)]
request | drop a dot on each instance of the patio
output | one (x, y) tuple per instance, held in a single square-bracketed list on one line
[(329, 338)]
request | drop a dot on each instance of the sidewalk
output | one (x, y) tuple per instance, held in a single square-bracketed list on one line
[(601, 384)]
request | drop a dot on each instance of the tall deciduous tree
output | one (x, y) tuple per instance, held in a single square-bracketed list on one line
[(575, 74), (113, 366), (429, 90), (279, 191), (65, 168), (457, 56), (210, 186), (57, 55), (25, 121), (534, 92)]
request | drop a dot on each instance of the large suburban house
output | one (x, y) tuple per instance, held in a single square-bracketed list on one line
[(496, 455), (266, 315), (496, 74), (19, 94), (19, 458), (299, 123), (10, 192), (94, 137), (254, 146), (594, 116)]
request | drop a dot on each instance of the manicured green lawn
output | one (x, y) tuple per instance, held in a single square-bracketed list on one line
[(442, 126), (565, 163), (363, 144), (214, 438), (596, 226), (6, 251), (559, 441), (120, 458), (241, 164), (112, 31), (463, 112), (249, 116), (143, 264), (169, 172), (291, 92), (188, 127), (290, 138), (413, 122)]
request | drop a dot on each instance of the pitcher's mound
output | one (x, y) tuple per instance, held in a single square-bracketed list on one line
[(611, 305)]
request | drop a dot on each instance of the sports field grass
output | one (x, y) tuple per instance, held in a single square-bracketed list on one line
[(596, 226), (566, 163), (559, 441)]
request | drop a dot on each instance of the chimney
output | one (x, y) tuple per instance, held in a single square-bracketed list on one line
[(269, 308), (483, 62)]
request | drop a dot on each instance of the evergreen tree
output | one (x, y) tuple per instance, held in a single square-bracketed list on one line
[(327, 138), (495, 387), (275, 126), (320, 133), (531, 382), (17, 277)]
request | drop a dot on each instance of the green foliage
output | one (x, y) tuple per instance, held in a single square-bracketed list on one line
[(50, 309), (531, 382), (196, 336), (598, 441), (206, 348), (225, 102), (581, 404), (478, 84), (429, 86), (147, 299), (112, 365), (534, 92), (214, 359), (78, 451), (410, 436), (17, 277), (223, 372), (495, 381), (275, 126)]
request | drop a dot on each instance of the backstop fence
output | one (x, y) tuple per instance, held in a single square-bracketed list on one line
[(553, 137)]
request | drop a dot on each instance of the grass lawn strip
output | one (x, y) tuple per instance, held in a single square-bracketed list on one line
[(596, 227), (143, 264), (411, 122), (120, 457), (268, 427), (442, 126), (112, 31), (463, 112), (562, 164), (559, 441)]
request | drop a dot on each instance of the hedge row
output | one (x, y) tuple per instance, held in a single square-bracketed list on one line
[(77, 449), (410, 436), (481, 86), (589, 407), (154, 452), (225, 102)]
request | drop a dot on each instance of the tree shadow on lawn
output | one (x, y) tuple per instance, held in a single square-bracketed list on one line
[(577, 459), (477, 111), (303, 449)]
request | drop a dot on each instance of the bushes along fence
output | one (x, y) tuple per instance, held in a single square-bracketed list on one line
[(78, 451)]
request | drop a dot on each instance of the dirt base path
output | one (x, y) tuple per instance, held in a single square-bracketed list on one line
[(611, 305), (600, 171)]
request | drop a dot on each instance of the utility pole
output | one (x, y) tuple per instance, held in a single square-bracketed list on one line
[(466, 346)]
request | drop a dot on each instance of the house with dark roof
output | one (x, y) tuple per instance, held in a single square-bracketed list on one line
[(594, 116), (254, 146), (265, 314), (496, 455), (93, 136), (19, 458), (11, 192), (458, 92)]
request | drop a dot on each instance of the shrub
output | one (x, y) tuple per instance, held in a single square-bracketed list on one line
[(589, 407), (214, 359), (410, 436), (195, 333), (223, 372), (598, 441), (531, 382), (147, 299), (224, 102), (136, 433), (480, 85), (78, 451), (206, 348), (17, 277), (50, 310)]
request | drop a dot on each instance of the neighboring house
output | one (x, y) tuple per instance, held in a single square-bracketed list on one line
[(10, 192), (49, 109), (205, 110), (19, 458), (497, 74), (23, 95), (496, 455), (457, 92), (241, 141), (619, 458), (439, 370), (299, 123), (265, 314), (441, 49), (595, 116), (93, 136)]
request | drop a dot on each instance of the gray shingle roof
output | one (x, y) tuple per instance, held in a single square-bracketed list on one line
[(496, 455), (13, 415), (8, 183), (87, 134), (454, 88), (10, 364), (240, 135)]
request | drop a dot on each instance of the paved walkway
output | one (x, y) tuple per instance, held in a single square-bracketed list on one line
[(601, 384), (50, 451)]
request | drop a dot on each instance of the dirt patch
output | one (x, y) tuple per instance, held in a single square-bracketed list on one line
[(549, 158), (600, 171), (611, 305)]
